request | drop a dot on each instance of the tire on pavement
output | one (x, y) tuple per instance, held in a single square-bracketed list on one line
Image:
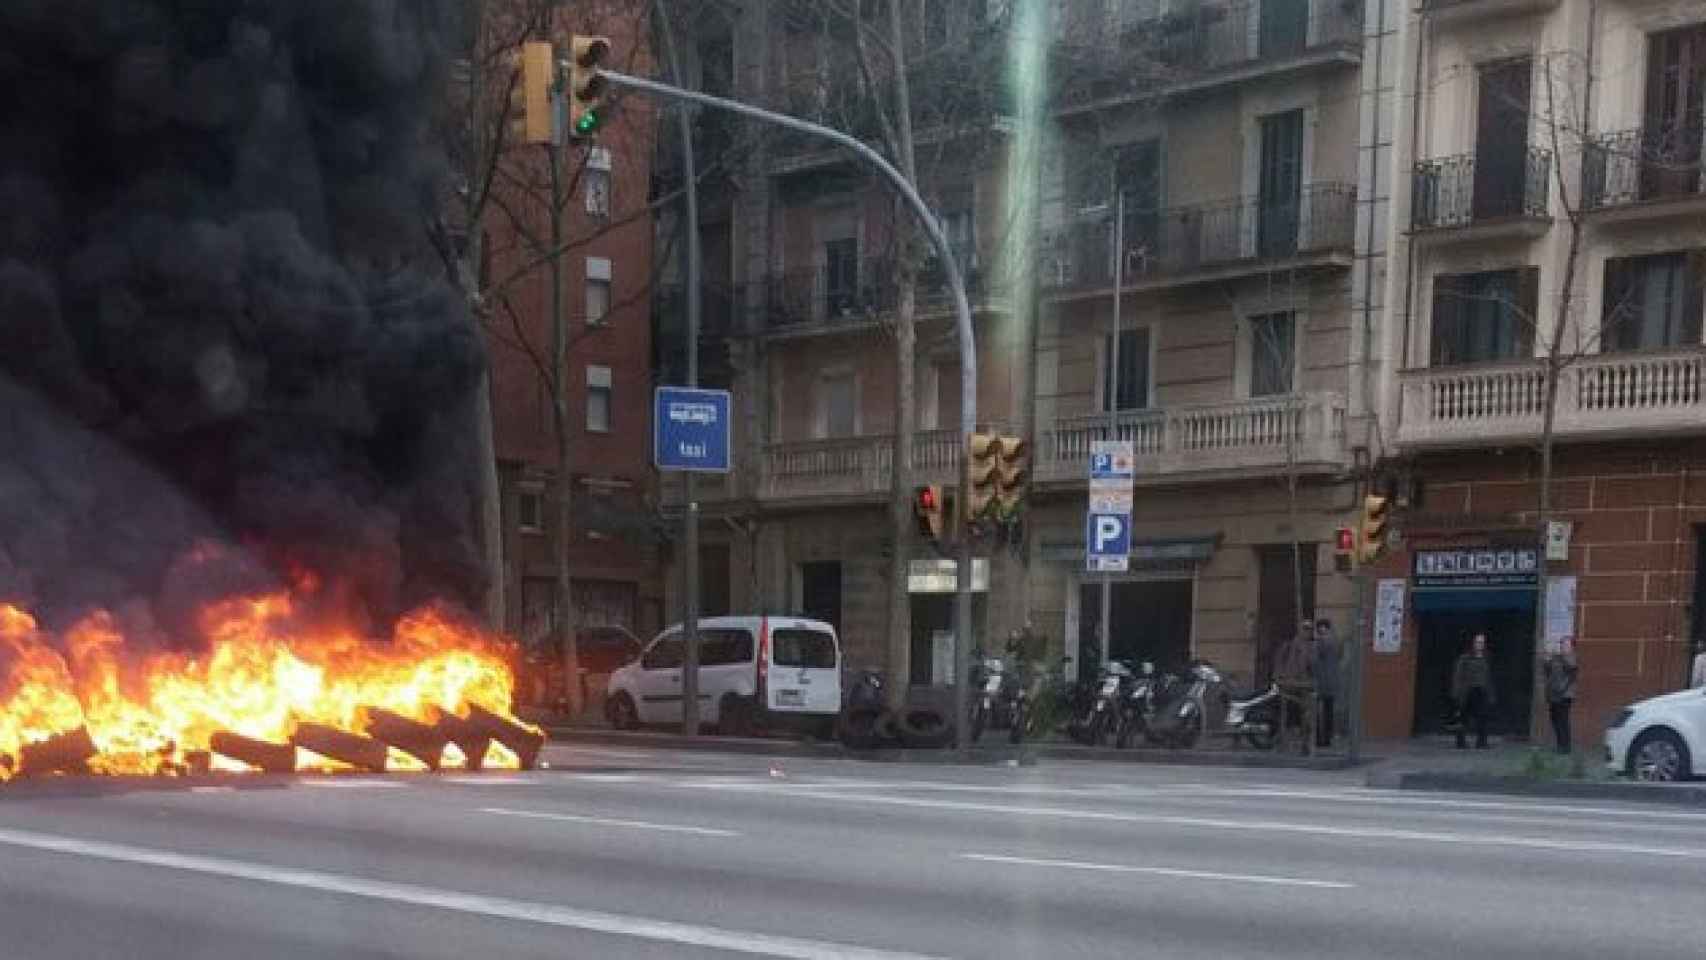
[(922, 728)]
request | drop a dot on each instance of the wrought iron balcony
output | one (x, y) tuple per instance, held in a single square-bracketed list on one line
[(1467, 189), (1643, 165), (864, 292), (1181, 240)]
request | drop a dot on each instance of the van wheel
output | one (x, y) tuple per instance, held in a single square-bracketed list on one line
[(924, 729), (735, 717), (619, 710)]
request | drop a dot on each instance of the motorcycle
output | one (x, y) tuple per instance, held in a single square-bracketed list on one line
[(1001, 700), (1137, 705), (1098, 713), (1254, 717), (1183, 716)]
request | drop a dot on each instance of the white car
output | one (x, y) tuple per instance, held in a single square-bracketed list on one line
[(1663, 738), (754, 672)]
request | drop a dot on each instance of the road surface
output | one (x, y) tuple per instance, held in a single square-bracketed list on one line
[(616, 853)]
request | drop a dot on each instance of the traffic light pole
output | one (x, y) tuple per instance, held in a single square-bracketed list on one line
[(1107, 637), (963, 325)]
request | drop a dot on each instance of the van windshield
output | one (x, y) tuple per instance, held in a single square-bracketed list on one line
[(803, 648)]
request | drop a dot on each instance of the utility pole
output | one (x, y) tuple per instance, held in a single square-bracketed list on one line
[(963, 326), (1113, 358), (560, 411), (690, 515)]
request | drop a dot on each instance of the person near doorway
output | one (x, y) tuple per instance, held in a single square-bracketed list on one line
[(1292, 672), (1697, 676), (1472, 691), (1561, 671), (1324, 659)]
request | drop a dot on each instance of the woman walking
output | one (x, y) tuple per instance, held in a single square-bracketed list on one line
[(1561, 671)]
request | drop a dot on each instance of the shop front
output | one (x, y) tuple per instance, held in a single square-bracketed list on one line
[(1456, 594)]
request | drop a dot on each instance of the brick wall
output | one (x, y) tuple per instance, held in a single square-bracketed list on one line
[(1635, 508)]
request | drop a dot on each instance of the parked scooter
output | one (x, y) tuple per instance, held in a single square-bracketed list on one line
[(1255, 717), (1001, 700), (1181, 718), (1098, 715), (1137, 705)]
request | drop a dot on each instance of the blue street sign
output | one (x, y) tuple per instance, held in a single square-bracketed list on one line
[(690, 430), (1107, 541)]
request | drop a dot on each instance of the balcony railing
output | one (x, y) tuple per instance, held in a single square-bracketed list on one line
[(1180, 240), (855, 466), (1181, 47), (866, 292), (1264, 433), (1644, 164), (1610, 394), (1469, 188)]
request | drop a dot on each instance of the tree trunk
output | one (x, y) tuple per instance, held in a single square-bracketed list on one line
[(489, 504), (561, 603), (901, 523)]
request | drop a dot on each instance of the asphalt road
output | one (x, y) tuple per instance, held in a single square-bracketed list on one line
[(618, 853)]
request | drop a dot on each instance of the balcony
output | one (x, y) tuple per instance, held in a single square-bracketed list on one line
[(1258, 435), (854, 468), (1490, 196), (1468, 11), (1610, 394), (820, 300), (1104, 64), (1206, 242), (1645, 172)]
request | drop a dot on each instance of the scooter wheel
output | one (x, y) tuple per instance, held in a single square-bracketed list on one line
[(979, 717), (1016, 732)]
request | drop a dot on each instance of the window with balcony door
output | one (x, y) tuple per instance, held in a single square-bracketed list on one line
[(1279, 200), (841, 275), (1675, 112), (1653, 302), (837, 405), (1273, 353), (1133, 385), (1484, 317), (1501, 138)]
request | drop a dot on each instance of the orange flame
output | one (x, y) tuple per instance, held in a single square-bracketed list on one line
[(260, 675)]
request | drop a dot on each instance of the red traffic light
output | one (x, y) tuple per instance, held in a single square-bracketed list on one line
[(927, 498), (1346, 540)]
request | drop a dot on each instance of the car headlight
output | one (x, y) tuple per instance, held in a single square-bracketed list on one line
[(1619, 718)]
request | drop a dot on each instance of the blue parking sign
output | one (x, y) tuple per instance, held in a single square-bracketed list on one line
[(1107, 542), (690, 430)]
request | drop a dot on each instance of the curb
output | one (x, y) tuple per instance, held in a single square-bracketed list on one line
[(709, 744), (1681, 794), (1201, 758)]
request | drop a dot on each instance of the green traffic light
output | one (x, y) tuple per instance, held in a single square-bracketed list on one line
[(586, 123)]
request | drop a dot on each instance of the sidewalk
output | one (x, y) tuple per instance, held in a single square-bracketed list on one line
[(1516, 768)]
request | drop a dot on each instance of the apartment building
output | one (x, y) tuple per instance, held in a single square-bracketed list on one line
[(1231, 129), (1551, 153), (606, 282)]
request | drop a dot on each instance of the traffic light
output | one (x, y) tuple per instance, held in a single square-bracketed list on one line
[(587, 86), (927, 506), (1344, 547), (1010, 470), (983, 452), (530, 97), (1373, 529)]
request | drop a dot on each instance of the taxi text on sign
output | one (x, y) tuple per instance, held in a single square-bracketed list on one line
[(690, 430)]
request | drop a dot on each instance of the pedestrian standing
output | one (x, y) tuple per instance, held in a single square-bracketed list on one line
[(1292, 672), (1324, 662), (1561, 670), (1472, 689)]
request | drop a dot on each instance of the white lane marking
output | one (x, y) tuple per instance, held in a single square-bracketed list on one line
[(213, 789), (606, 777), (334, 783), (1162, 871), (1258, 826), (604, 752), (607, 822), (1370, 796), (615, 924), (491, 781)]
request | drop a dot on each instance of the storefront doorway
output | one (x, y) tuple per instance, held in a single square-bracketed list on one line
[(1443, 634), (1151, 621)]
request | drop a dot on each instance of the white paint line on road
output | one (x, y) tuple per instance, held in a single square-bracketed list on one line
[(1367, 796), (607, 822), (503, 908), (213, 789), (1257, 826), (335, 783), (491, 781), (606, 777), (1161, 872)]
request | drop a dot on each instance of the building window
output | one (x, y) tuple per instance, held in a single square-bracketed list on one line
[(1273, 353), (597, 292), (837, 414), (1484, 317), (530, 509), (841, 275), (1653, 302), (1133, 370), (598, 399), (596, 182)]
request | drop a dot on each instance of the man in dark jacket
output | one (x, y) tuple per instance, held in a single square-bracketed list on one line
[(1324, 676), (1472, 689), (1561, 670)]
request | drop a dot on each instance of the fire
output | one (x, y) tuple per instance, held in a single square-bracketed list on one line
[(261, 675)]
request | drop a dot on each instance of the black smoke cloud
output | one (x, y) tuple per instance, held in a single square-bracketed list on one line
[(219, 320)]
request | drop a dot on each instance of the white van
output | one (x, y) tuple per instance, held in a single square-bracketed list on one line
[(754, 671)]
